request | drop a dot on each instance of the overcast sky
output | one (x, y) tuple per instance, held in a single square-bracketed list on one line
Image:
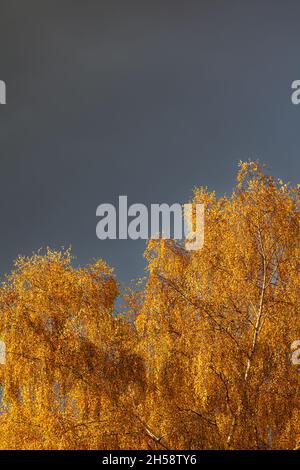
[(147, 99)]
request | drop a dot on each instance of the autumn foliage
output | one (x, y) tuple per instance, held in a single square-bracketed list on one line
[(198, 358)]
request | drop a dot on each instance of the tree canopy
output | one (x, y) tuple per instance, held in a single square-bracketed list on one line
[(198, 358)]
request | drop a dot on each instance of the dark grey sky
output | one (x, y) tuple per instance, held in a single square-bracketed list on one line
[(146, 98)]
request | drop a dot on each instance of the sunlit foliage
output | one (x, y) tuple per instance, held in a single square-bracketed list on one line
[(198, 358)]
